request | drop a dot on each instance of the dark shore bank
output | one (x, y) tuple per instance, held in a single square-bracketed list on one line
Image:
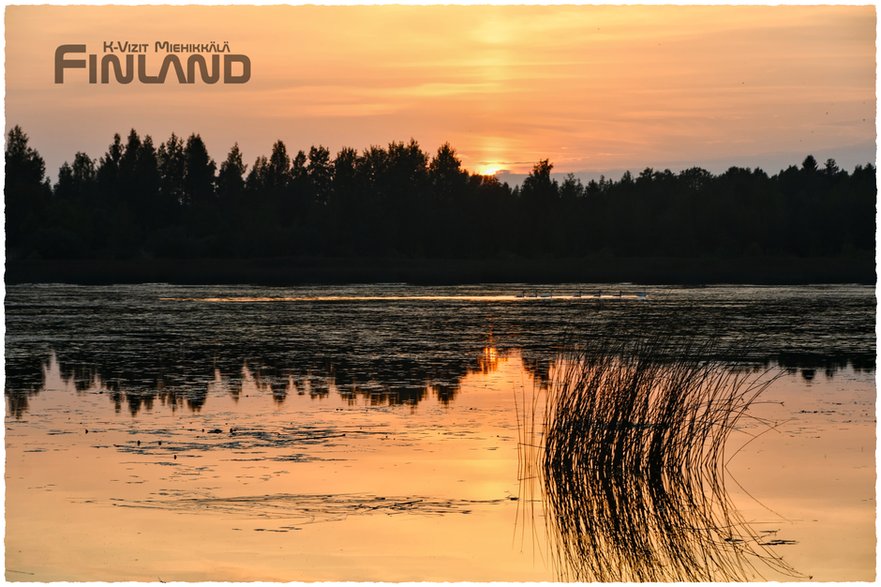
[(313, 270)]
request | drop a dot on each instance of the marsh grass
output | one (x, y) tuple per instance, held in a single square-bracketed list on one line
[(630, 448)]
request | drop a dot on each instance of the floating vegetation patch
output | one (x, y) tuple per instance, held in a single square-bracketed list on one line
[(310, 508), (631, 459), (249, 441)]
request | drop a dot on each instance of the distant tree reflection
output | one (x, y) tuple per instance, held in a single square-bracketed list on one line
[(138, 387), (126, 389)]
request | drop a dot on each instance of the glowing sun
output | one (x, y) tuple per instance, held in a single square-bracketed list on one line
[(488, 168)]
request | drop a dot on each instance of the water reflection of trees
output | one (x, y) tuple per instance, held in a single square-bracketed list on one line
[(137, 385), (630, 455), (147, 349)]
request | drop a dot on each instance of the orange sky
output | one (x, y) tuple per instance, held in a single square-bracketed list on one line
[(592, 88)]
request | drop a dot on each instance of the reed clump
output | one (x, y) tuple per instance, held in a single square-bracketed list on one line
[(632, 465)]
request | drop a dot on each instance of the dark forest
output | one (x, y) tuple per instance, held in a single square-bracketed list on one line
[(173, 201)]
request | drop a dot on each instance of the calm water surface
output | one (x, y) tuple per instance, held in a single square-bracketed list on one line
[(160, 432)]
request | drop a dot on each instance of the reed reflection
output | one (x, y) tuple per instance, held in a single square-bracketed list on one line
[(630, 452)]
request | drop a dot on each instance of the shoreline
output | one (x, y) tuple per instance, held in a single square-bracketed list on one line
[(280, 271)]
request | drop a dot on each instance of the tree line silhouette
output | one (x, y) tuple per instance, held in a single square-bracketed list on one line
[(174, 201)]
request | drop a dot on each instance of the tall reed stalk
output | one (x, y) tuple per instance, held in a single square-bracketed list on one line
[(631, 460)]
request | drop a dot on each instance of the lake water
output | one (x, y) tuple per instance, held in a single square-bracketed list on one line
[(377, 433)]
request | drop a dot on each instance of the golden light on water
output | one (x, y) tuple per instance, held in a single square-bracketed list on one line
[(488, 360), (251, 491)]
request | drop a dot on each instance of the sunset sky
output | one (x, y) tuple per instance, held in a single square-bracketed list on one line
[(594, 89)]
